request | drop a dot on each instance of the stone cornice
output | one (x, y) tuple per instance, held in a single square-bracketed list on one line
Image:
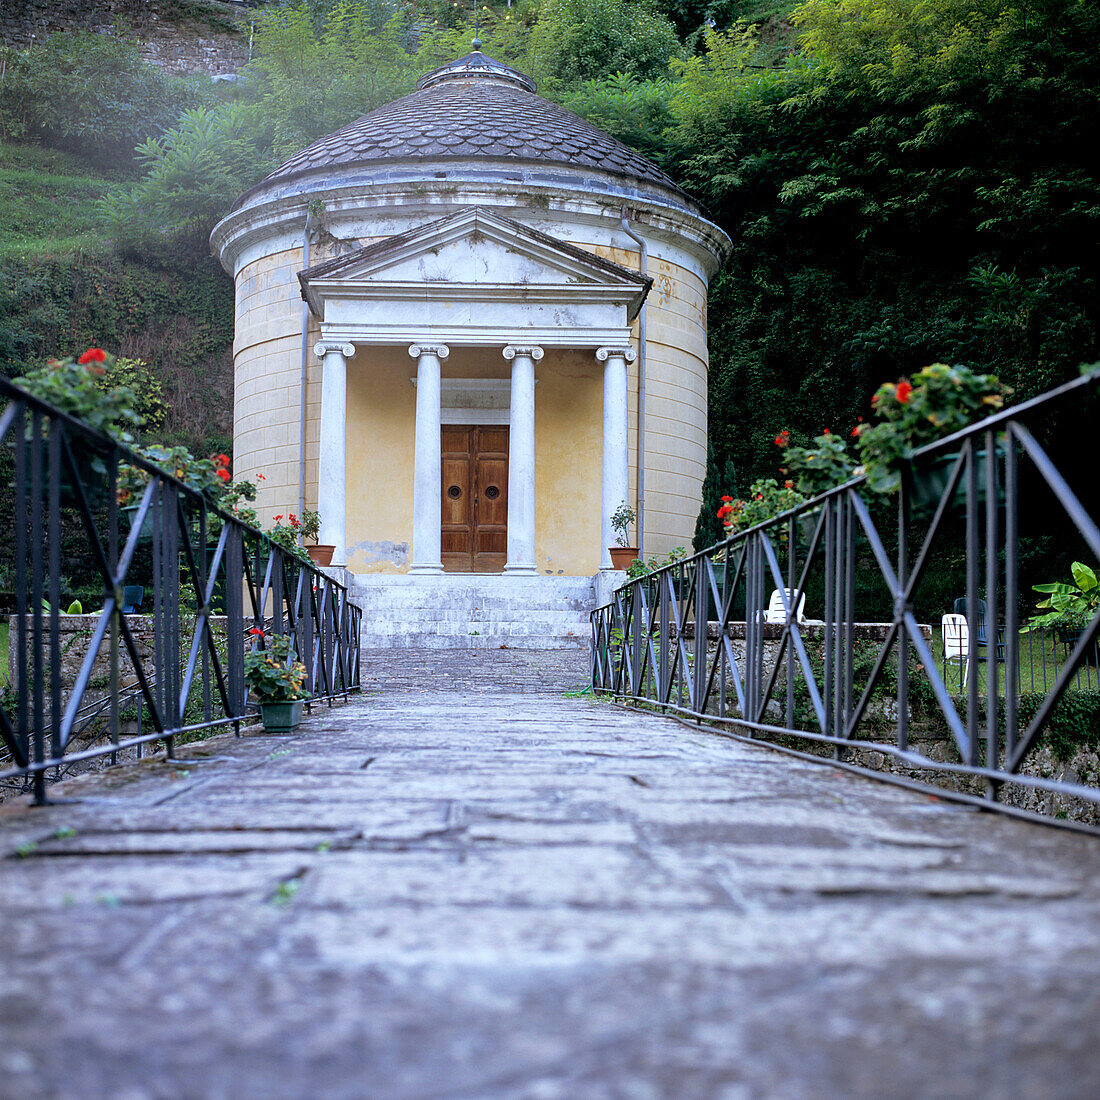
[(565, 202)]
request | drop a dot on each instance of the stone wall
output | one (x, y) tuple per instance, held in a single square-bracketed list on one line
[(181, 36), (75, 638)]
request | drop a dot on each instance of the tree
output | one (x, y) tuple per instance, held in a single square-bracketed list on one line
[(578, 40)]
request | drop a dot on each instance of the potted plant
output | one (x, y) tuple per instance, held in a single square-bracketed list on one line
[(1071, 607), (939, 400), (623, 553), (286, 535), (320, 553), (276, 681)]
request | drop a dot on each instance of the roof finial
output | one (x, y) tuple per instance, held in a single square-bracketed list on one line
[(477, 28)]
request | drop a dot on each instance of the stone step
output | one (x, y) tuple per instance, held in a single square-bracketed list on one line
[(460, 611)]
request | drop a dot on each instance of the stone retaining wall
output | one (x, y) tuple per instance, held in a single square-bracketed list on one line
[(195, 37), (75, 637)]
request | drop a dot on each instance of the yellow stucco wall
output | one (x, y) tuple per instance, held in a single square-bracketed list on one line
[(267, 364), (381, 410), (380, 442)]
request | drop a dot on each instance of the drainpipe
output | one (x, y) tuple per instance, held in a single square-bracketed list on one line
[(643, 265), (302, 380)]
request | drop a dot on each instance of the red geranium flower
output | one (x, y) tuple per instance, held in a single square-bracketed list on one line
[(261, 477), (727, 500), (256, 630), (223, 474), (902, 392), (788, 484), (277, 518), (783, 438), (93, 355), (222, 460), (724, 511)]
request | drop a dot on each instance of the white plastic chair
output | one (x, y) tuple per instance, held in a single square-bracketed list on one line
[(956, 642), (776, 612)]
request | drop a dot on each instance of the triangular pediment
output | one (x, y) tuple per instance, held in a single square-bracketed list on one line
[(469, 254)]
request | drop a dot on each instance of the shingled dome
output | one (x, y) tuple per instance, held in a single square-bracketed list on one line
[(472, 107)]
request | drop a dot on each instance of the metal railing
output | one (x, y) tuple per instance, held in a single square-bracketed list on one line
[(211, 578), (858, 673)]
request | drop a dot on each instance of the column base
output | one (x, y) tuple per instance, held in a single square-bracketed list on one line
[(422, 568), (521, 570)]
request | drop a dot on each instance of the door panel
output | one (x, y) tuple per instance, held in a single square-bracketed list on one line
[(456, 536), (475, 498)]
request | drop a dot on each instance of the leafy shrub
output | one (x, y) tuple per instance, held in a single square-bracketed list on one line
[(193, 175), (577, 40), (89, 93)]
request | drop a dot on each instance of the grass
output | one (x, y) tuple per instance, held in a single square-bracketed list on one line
[(49, 203), (1041, 659)]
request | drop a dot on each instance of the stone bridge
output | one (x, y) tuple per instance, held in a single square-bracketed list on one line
[(465, 884)]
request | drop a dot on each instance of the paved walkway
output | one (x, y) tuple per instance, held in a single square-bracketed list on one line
[(433, 894)]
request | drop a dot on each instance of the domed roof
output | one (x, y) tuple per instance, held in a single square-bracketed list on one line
[(472, 107)]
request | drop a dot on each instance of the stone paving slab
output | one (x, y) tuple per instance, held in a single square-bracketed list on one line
[(435, 893)]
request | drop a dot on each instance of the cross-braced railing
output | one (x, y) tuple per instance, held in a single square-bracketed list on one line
[(210, 579), (806, 630)]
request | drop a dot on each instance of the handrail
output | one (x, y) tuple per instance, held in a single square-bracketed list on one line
[(65, 491), (797, 680)]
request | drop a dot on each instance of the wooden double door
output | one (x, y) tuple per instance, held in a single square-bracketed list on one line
[(475, 498)]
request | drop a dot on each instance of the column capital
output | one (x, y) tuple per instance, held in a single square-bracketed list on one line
[(440, 351), (323, 347), (531, 351), (627, 353)]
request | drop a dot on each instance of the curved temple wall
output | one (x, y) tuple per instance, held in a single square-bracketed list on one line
[(381, 398)]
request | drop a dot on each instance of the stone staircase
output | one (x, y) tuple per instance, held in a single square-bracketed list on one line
[(473, 611)]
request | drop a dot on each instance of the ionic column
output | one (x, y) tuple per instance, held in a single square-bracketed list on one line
[(427, 507), (616, 477), (521, 459), (332, 460)]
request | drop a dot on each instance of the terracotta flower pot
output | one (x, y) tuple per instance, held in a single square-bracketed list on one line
[(321, 554), (622, 556), (282, 717)]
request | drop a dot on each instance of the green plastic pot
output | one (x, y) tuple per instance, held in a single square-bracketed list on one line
[(282, 717)]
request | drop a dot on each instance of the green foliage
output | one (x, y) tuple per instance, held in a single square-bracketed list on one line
[(274, 674), (86, 390), (316, 78), (48, 203), (1071, 605), (639, 568), (766, 500), (940, 400), (621, 519), (911, 186), (194, 173), (287, 535), (637, 112), (578, 40), (88, 93), (178, 322), (1074, 725), (821, 467), (718, 483)]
